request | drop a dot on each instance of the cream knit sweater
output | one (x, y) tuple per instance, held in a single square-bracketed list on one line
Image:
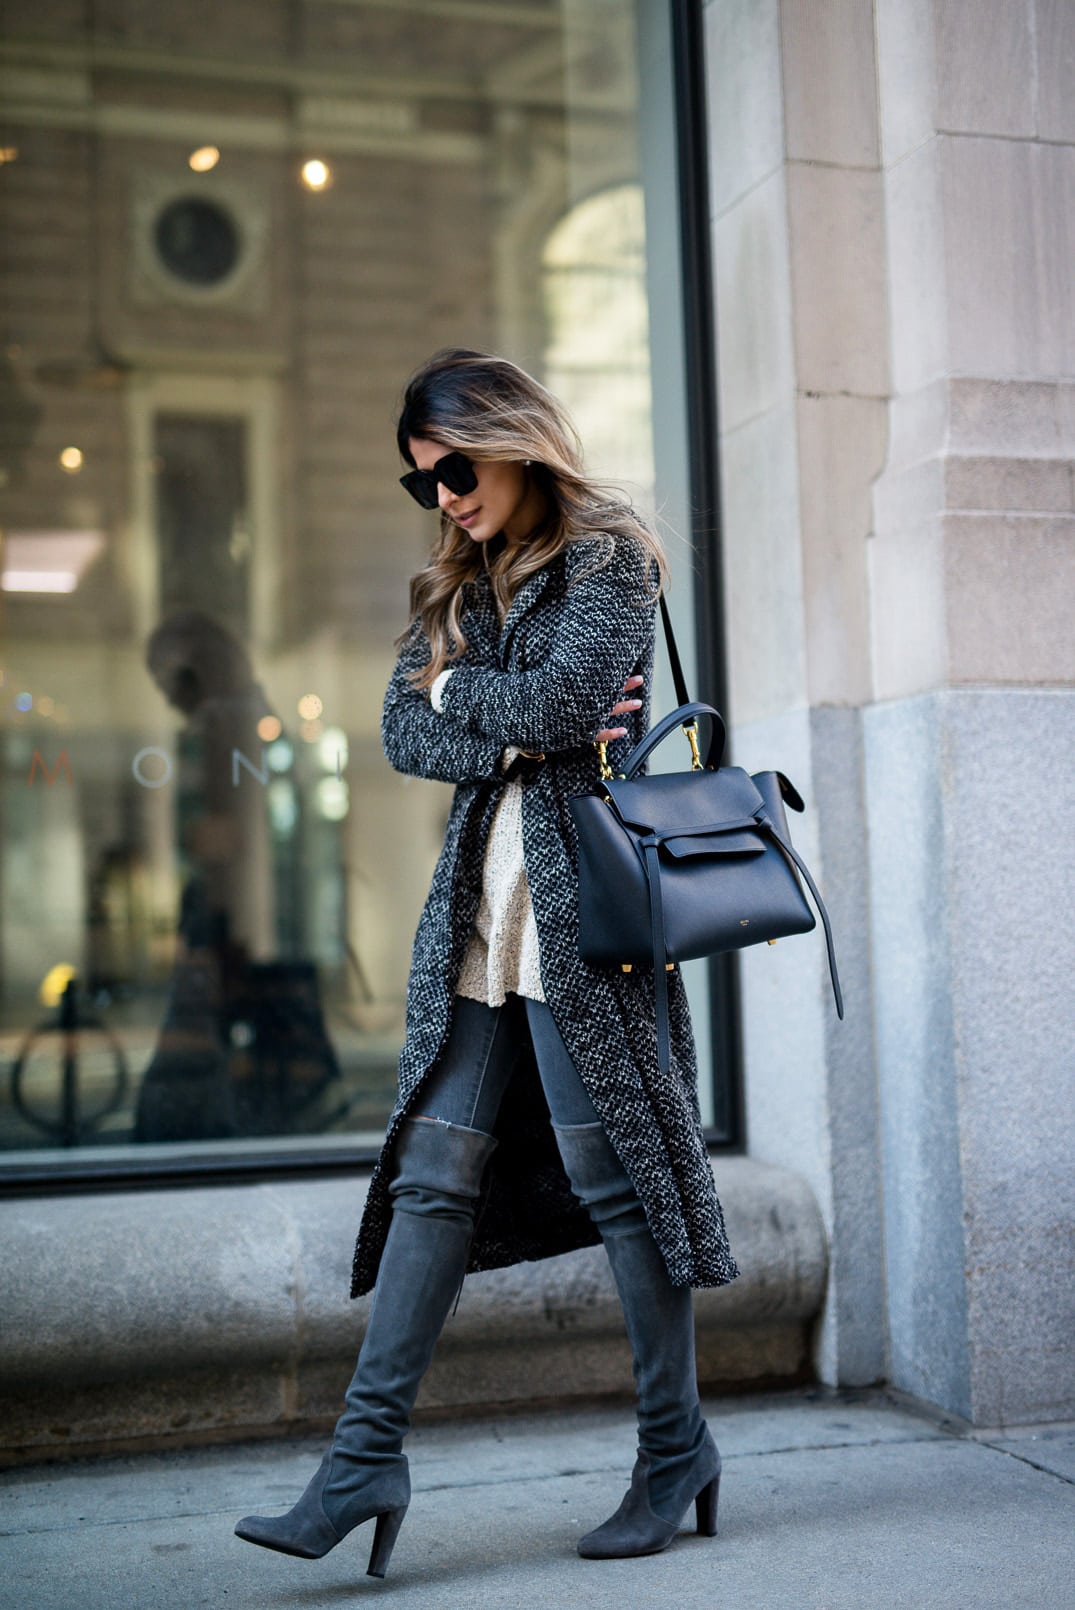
[(502, 952)]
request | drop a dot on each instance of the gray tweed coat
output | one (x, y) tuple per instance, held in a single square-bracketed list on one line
[(547, 680)]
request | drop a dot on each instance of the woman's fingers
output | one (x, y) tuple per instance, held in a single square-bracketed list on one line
[(629, 704), (607, 734)]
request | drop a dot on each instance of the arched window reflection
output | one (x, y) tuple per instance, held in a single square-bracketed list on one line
[(597, 323)]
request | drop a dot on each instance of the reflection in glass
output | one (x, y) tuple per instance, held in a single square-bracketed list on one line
[(223, 574), (197, 241), (243, 1048), (203, 543), (597, 356)]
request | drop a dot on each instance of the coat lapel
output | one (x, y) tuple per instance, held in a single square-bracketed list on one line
[(524, 600), (480, 620)]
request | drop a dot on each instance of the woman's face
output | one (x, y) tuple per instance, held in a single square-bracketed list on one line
[(505, 498)]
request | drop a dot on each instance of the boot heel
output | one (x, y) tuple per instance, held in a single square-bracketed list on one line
[(705, 1508), (384, 1538)]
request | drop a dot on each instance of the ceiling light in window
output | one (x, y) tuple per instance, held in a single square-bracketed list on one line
[(316, 175), (71, 460), (283, 806), (281, 755), (48, 561), (310, 707), (332, 795), (204, 158), (332, 749), (40, 581)]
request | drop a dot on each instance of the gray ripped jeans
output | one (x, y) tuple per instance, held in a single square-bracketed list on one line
[(467, 1085)]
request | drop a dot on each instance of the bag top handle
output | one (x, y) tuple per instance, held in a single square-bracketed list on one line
[(678, 718)]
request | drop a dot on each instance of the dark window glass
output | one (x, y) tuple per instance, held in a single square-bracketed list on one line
[(217, 272), (197, 241)]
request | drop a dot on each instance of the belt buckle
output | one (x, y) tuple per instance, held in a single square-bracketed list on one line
[(524, 765)]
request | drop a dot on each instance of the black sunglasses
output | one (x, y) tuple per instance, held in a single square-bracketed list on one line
[(454, 470)]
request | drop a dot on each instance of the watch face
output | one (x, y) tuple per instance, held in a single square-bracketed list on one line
[(197, 241)]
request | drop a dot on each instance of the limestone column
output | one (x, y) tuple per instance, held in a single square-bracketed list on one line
[(970, 736)]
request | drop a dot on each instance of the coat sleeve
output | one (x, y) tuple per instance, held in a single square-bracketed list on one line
[(423, 742), (606, 623)]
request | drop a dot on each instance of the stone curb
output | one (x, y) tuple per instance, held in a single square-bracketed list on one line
[(177, 1314)]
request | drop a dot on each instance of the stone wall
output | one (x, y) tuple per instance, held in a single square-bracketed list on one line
[(803, 372), (972, 590), (896, 353)]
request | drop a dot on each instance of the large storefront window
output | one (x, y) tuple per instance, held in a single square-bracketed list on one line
[(229, 233)]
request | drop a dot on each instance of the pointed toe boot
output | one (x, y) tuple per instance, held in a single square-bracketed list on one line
[(678, 1461), (364, 1474), (308, 1532), (636, 1528)]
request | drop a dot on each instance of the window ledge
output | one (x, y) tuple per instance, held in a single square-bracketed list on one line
[(179, 1315)]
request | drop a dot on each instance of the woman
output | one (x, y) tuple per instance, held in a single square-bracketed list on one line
[(531, 1118)]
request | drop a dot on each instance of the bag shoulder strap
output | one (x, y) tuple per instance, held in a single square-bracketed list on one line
[(678, 679)]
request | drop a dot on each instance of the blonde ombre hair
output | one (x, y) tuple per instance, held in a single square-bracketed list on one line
[(490, 409)]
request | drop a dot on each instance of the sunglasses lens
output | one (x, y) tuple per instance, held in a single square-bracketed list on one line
[(422, 486), (457, 473), (454, 470)]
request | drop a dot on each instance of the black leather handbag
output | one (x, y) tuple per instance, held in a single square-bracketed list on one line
[(691, 863)]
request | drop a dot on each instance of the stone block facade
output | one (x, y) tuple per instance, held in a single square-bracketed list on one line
[(892, 218)]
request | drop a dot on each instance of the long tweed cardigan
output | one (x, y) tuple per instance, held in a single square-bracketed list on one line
[(547, 679)]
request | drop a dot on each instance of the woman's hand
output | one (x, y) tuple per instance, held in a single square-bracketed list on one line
[(608, 733)]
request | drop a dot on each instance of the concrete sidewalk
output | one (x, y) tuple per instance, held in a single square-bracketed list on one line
[(828, 1500)]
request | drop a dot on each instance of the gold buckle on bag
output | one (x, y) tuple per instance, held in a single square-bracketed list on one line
[(602, 755), (692, 738)]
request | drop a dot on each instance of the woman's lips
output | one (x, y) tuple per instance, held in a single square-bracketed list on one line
[(467, 519)]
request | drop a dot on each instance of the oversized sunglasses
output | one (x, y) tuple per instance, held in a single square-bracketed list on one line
[(454, 470)]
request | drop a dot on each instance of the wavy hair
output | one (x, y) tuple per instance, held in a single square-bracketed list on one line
[(489, 408)]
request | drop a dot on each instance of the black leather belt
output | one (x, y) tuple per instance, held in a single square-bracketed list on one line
[(523, 766)]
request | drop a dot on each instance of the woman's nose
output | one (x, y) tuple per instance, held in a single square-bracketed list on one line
[(445, 498)]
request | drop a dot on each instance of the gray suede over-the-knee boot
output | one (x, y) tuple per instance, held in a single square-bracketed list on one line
[(678, 1462), (365, 1473)]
